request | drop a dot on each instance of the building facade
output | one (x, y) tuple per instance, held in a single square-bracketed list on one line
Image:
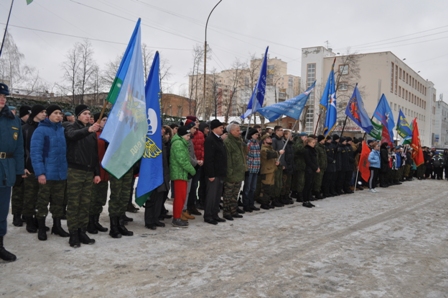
[(376, 74), (441, 125)]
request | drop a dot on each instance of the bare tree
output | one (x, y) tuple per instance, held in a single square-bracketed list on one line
[(198, 54)]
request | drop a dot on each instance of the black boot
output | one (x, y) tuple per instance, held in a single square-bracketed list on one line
[(57, 229), (122, 229), (17, 221), (98, 226), (83, 238), (91, 227), (126, 219), (317, 195), (30, 224), (74, 239), (42, 232), (299, 197), (114, 232), (4, 254), (37, 225), (276, 202)]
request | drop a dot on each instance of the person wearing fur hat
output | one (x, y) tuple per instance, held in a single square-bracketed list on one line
[(215, 166), (49, 161), (83, 172), (31, 185), (11, 163), (299, 160)]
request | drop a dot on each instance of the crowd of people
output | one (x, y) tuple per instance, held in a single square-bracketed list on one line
[(51, 162)]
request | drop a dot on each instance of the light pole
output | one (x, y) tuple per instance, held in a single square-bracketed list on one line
[(205, 52)]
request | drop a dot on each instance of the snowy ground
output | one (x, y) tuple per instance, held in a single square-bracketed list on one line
[(390, 244)]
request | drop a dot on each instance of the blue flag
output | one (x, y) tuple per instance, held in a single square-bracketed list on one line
[(355, 111), (126, 126), (151, 167), (403, 127), (384, 114), (292, 107), (331, 107), (257, 98), (329, 89)]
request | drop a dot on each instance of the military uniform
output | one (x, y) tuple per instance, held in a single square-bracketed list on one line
[(322, 162), (299, 159)]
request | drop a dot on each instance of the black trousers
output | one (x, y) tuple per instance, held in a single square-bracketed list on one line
[(154, 207), (308, 188), (214, 193)]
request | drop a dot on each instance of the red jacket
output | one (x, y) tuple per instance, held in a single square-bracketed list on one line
[(104, 175), (198, 142)]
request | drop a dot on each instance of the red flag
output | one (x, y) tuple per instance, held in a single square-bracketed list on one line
[(385, 136), (364, 162), (417, 153)]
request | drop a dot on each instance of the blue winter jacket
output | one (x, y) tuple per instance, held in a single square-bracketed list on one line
[(49, 151), (375, 159)]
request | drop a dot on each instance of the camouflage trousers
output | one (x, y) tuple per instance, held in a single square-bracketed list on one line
[(99, 197), (30, 195), (299, 182), (278, 181), (17, 197), (79, 190), (407, 170), (266, 194), (318, 177), (120, 190), (286, 186), (230, 197), (53, 189)]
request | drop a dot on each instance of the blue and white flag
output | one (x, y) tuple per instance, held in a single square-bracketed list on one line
[(292, 107), (126, 126), (257, 98), (329, 88), (151, 167)]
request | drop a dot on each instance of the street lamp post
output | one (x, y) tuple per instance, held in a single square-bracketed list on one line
[(205, 51)]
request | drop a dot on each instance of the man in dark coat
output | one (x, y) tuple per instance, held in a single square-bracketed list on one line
[(215, 166)]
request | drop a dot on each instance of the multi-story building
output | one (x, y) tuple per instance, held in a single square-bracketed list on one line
[(376, 74), (441, 125), (229, 91)]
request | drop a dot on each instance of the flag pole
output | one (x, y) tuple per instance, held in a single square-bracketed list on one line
[(102, 112), (317, 124), (343, 127), (6, 28), (247, 129)]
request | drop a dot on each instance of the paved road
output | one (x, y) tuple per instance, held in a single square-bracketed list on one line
[(390, 244)]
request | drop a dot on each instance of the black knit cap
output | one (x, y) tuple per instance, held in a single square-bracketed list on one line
[(251, 132), (320, 138), (36, 109), (24, 110), (335, 137), (97, 116), (79, 109), (51, 109)]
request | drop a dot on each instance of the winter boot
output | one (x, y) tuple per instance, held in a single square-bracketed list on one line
[(57, 229), (131, 208), (91, 227), (30, 224), (299, 197), (83, 238), (74, 239), (122, 229), (17, 221), (126, 219), (41, 233), (114, 232), (4, 254), (276, 202), (317, 195), (37, 225), (98, 226)]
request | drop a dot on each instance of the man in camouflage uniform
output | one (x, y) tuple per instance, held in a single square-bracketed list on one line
[(322, 163), (236, 168), (269, 163), (299, 183), (83, 171)]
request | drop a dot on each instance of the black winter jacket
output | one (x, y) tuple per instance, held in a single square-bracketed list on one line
[(310, 159), (28, 130), (82, 148), (215, 157)]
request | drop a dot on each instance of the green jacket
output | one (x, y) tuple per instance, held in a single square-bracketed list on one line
[(299, 157), (236, 159), (180, 164), (321, 156)]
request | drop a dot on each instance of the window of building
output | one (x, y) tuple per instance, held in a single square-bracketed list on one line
[(343, 69), (343, 86), (395, 106), (400, 73), (392, 78), (396, 78), (399, 91)]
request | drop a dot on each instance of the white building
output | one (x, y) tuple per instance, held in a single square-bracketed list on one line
[(441, 125), (375, 73)]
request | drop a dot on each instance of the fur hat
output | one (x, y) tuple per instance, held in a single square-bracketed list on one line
[(265, 137), (251, 132), (215, 123)]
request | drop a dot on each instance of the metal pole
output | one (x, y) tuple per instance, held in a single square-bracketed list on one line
[(6, 28), (287, 140), (205, 51)]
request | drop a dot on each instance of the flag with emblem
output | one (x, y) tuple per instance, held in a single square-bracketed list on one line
[(403, 127), (328, 102), (356, 112), (364, 162), (151, 167), (126, 126), (384, 114)]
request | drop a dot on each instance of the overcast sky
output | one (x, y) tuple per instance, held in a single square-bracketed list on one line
[(413, 29)]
